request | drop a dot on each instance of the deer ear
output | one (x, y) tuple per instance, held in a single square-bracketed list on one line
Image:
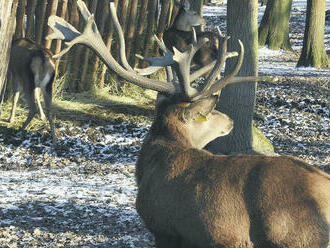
[(186, 5)]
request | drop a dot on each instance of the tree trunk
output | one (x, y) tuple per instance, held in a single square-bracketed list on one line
[(131, 31), (138, 41), (20, 32), (7, 29), (108, 45), (30, 27), (40, 19), (53, 10), (313, 52), (238, 100), (274, 26), (150, 29), (85, 81), (163, 20), (103, 13), (58, 44)]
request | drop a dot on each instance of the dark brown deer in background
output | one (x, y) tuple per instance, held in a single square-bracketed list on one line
[(188, 197), (32, 68), (178, 35)]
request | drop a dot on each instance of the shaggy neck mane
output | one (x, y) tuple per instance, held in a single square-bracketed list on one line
[(168, 123)]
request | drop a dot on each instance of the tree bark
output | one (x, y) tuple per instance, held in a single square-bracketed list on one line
[(20, 19), (274, 26), (7, 29), (313, 52), (150, 29), (238, 100), (58, 44), (40, 20), (108, 45), (131, 31), (85, 81), (30, 26), (138, 41), (103, 13), (53, 9)]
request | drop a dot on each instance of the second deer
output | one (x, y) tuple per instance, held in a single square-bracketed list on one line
[(178, 35), (32, 68), (190, 198)]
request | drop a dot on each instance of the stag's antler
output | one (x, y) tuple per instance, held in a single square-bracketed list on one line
[(92, 38), (180, 61)]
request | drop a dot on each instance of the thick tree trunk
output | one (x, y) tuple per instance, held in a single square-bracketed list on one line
[(108, 45), (7, 29), (151, 20), (313, 52), (40, 20), (131, 31), (20, 31), (53, 9), (138, 41), (85, 80), (238, 100), (274, 26), (30, 20)]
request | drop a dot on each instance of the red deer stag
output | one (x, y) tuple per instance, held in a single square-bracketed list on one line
[(32, 67), (188, 197)]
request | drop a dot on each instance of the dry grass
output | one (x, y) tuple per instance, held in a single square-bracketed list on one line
[(96, 108)]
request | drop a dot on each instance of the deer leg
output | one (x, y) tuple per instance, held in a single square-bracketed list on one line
[(37, 97), (29, 97), (13, 107), (47, 93)]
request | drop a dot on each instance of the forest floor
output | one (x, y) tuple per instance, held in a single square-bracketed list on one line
[(83, 193)]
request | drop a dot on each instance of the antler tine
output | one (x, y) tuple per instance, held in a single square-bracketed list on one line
[(218, 85), (183, 65), (217, 65), (92, 38), (121, 38), (157, 63)]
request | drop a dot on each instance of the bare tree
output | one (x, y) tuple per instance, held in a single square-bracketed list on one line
[(313, 52), (274, 26), (238, 101), (30, 21), (53, 9), (7, 29), (40, 20), (20, 17)]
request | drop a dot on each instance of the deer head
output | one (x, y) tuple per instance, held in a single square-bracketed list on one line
[(187, 18)]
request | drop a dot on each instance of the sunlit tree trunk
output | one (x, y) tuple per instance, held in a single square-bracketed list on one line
[(7, 29), (53, 9), (238, 100), (40, 20), (30, 20), (131, 31), (313, 52), (20, 31), (274, 26)]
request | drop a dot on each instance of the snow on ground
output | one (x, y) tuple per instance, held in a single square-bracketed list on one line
[(83, 194)]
